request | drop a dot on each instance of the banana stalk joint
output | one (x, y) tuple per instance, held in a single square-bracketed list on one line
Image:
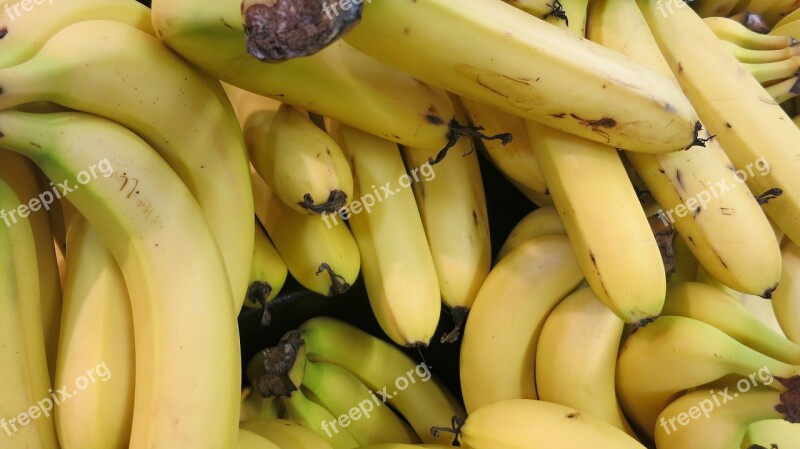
[(459, 317), (455, 428), (257, 293), (457, 131), (790, 399), (279, 30), (280, 366), (753, 22), (336, 200)]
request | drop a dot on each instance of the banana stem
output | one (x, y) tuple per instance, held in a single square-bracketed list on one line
[(258, 292), (338, 283), (457, 131), (336, 200), (278, 363), (459, 317), (285, 29), (790, 399), (455, 428)]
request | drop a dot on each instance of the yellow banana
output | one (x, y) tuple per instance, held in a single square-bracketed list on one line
[(774, 72), (784, 90), (749, 56), (251, 109), (252, 440), (267, 275), (287, 434), (542, 221), (732, 31), (791, 17), (770, 433), (786, 300), (255, 407)]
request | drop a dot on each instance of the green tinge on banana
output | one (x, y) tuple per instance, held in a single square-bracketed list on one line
[(287, 434), (542, 221)]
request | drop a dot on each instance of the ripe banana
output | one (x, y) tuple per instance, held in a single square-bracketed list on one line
[(774, 72), (651, 368), (732, 31), (267, 275), (97, 332), (322, 257), (748, 124), (786, 300), (514, 159), (582, 377), (150, 234), (702, 425), (302, 164), (538, 8), (503, 327), (167, 102), (542, 221), (338, 82), (705, 303), (771, 433), (772, 11), (711, 8), (255, 407), (23, 35), (713, 213), (452, 206), (525, 423), (746, 55), (251, 109), (252, 440), (468, 64), (23, 176), (287, 434), (422, 400), (26, 409), (791, 17), (397, 265), (341, 393)]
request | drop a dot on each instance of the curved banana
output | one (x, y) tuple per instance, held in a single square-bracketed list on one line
[(503, 327), (163, 99), (150, 234), (772, 11), (749, 56), (23, 176), (770, 433), (25, 32), (397, 264), (301, 163), (714, 424), (774, 72), (254, 407), (753, 129), (26, 411), (338, 82), (469, 65), (287, 434), (791, 17), (343, 394), (713, 213), (542, 221), (582, 377), (732, 31), (786, 300), (304, 411), (705, 303), (525, 423), (324, 258), (97, 338), (251, 109), (267, 275), (452, 206), (252, 440), (514, 159), (785, 90), (651, 368), (409, 388)]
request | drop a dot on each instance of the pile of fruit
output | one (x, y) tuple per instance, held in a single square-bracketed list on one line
[(288, 224)]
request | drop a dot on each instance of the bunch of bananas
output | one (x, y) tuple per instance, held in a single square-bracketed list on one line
[(158, 177)]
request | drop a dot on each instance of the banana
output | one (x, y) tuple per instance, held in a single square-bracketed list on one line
[(416, 395), (582, 377), (732, 31), (705, 303), (97, 332), (287, 434), (338, 82), (525, 423), (503, 327), (771, 433), (26, 409), (304, 411), (452, 206), (405, 446), (514, 159), (702, 424), (323, 257), (252, 440), (397, 264), (423, 44), (685, 262), (785, 90), (164, 100), (746, 55), (772, 11), (267, 275), (786, 300), (542, 221), (23, 35), (774, 72), (254, 407), (302, 164), (538, 8), (748, 124), (787, 31), (343, 394), (23, 176), (709, 8), (713, 213), (651, 368), (791, 17), (150, 235), (251, 109)]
